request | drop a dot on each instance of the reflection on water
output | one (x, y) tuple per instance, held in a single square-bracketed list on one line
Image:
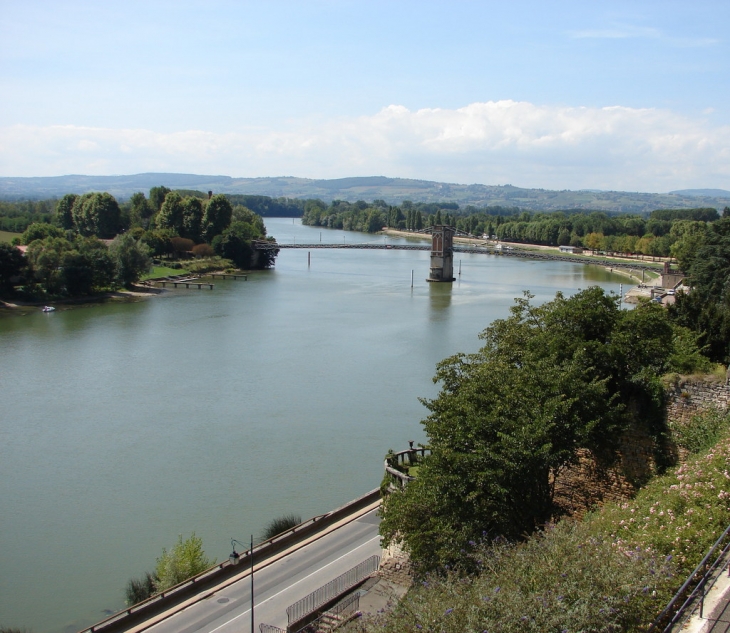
[(124, 425), (439, 295)]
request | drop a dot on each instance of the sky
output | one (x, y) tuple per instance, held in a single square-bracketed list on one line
[(616, 95)]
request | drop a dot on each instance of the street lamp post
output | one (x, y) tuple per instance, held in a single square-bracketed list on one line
[(235, 559)]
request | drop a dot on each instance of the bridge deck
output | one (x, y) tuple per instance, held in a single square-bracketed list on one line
[(481, 250)]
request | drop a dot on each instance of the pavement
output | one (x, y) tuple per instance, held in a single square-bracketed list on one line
[(715, 617)]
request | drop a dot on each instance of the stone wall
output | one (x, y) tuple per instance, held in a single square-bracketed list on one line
[(688, 396), (588, 483)]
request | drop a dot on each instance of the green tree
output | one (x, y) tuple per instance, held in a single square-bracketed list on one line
[(192, 219), (217, 216), (550, 379), (40, 231), (45, 257), (97, 214), (185, 560), (102, 264), (140, 209), (12, 265), (64, 215), (157, 197), (171, 213), (131, 259), (235, 244)]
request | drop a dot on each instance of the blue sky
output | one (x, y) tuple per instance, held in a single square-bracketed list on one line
[(607, 95)]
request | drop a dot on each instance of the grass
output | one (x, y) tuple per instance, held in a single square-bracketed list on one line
[(7, 236), (613, 571), (163, 271)]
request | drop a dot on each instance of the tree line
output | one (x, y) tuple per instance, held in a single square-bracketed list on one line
[(660, 234), (68, 253)]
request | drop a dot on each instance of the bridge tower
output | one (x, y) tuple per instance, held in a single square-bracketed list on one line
[(442, 253)]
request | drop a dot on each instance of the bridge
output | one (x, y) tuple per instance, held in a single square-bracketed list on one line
[(463, 248)]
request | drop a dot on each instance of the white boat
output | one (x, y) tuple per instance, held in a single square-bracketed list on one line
[(48, 308)]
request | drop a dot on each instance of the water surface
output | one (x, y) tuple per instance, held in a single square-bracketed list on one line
[(124, 425)]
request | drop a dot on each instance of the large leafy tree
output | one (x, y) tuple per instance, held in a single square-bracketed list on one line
[(97, 214), (140, 209), (217, 216), (12, 265), (171, 213), (157, 197), (40, 231), (706, 309), (192, 224), (64, 214), (131, 259), (549, 380)]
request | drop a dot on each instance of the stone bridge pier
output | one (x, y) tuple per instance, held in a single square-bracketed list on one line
[(442, 253)]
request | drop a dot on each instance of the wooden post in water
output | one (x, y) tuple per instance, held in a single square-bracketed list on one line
[(309, 258), (411, 278), (459, 268)]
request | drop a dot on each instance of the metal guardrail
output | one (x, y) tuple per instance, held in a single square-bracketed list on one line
[(224, 571), (700, 590), (310, 603), (341, 611)]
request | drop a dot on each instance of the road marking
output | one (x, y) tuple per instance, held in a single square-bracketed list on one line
[(296, 583)]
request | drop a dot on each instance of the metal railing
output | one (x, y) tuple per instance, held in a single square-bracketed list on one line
[(310, 603), (224, 570), (700, 590), (339, 613)]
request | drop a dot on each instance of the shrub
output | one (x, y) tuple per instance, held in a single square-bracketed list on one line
[(203, 250), (184, 561), (279, 525), (139, 589), (702, 431)]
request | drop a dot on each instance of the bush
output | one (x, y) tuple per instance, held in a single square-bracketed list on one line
[(702, 431), (279, 525), (203, 250), (184, 561), (212, 264), (139, 589)]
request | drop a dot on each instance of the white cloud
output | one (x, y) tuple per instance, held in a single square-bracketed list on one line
[(626, 31), (492, 142)]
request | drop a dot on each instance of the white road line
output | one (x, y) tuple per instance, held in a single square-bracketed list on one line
[(296, 583)]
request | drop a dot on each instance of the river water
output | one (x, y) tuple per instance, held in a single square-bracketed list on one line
[(124, 425)]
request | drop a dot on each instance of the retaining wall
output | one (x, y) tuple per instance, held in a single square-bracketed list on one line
[(589, 483)]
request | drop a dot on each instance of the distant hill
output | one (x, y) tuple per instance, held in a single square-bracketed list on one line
[(392, 190), (717, 193)]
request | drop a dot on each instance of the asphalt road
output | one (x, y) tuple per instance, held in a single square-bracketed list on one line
[(280, 584)]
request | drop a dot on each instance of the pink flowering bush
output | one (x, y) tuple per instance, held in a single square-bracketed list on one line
[(680, 514)]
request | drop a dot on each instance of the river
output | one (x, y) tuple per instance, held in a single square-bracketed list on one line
[(124, 425)]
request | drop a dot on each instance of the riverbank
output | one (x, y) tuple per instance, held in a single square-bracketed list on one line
[(19, 307), (553, 250)]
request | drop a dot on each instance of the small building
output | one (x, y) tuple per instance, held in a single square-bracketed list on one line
[(572, 250), (669, 278)]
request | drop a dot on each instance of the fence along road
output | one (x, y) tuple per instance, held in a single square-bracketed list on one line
[(279, 584)]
